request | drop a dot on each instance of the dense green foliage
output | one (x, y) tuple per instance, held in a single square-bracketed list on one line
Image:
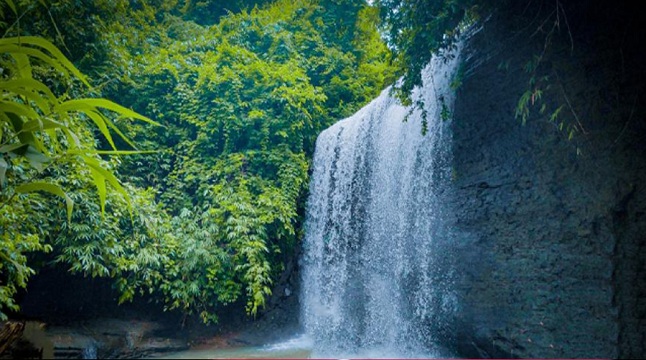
[(419, 29), (42, 134), (241, 90)]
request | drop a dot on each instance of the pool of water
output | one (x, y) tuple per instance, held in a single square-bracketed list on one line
[(297, 347)]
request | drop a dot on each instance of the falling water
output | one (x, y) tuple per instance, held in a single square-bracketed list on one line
[(374, 269)]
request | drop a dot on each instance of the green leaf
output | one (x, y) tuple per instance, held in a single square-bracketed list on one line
[(118, 131), (41, 124), (18, 148), (99, 182), (18, 109), (56, 60), (36, 159), (50, 188), (3, 170), (100, 172), (12, 6), (29, 84), (17, 49), (72, 138), (91, 105), (100, 122), (23, 65)]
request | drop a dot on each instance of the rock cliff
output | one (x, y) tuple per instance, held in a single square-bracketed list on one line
[(550, 231)]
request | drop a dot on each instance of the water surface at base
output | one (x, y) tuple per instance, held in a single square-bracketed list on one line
[(299, 347), (296, 348)]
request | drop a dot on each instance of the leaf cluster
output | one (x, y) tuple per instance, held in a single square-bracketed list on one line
[(241, 89), (40, 134)]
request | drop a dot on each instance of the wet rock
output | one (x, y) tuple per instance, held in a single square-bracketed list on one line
[(112, 338), (549, 245)]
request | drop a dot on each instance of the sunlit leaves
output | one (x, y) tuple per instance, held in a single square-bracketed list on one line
[(41, 49), (32, 115), (40, 134), (19, 235), (50, 188), (245, 100), (241, 102)]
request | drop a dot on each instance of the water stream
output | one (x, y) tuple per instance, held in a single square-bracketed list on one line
[(374, 282)]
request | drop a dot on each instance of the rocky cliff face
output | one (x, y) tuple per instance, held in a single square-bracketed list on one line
[(550, 231)]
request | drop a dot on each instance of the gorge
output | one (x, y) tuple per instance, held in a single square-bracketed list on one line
[(501, 214)]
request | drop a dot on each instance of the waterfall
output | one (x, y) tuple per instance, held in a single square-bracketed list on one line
[(375, 279)]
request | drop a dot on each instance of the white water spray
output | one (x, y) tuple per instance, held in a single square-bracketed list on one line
[(373, 280)]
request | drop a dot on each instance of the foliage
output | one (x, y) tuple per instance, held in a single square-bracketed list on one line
[(242, 90), (19, 236), (418, 29), (40, 132), (544, 82), (243, 102)]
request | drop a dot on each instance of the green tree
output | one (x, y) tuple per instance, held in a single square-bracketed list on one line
[(243, 102), (242, 90), (42, 133), (418, 29)]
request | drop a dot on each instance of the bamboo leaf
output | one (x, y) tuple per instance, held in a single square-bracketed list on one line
[(90, 104), (100, 121), (42, 124), (50, 188), (23, 65), (99, 182), (108, 176), (28, 84), (36, 159), (17, 123), (15, 50), (12, 6), (72, 138), (121, 134), (29, 96), (18, 109), (14, 147), (57, 59)]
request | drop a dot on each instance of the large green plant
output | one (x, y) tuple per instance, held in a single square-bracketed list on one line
[(41, 131), (242, 103)]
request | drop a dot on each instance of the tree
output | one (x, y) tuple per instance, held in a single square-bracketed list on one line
[(41, 133), (417, 29), (241, 101)]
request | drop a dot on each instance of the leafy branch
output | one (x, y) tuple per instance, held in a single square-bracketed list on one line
[(39, 133), (37, 125)]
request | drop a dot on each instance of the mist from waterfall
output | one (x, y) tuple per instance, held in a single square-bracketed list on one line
[(374, 267)]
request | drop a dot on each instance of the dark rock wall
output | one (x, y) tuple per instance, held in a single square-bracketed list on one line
[(550, 231)]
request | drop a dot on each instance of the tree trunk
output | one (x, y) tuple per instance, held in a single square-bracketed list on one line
[(10, 332)]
